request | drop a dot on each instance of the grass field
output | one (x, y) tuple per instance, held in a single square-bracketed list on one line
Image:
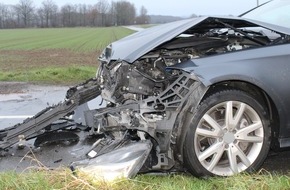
[(54, 56), (63, 179), (75, 39)]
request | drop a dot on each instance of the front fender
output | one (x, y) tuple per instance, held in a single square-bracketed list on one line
[(264, 67)]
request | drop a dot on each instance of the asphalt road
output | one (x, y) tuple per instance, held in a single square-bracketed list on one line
[(21, 100)]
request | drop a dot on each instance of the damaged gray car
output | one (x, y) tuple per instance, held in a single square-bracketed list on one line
[(208, 95)]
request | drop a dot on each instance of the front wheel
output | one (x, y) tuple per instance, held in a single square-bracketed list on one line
[(228, 134)]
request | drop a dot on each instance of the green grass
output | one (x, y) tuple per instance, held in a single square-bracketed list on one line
[(54, 56), (51, 75), (76, 39), (63, 179)]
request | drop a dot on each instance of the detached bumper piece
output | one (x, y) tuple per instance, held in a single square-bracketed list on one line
[(124, 162), (37, 125)]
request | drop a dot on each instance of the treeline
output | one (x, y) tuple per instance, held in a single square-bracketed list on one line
[(49, 14)]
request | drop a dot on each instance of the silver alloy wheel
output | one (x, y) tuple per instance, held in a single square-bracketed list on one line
[(228, 138)]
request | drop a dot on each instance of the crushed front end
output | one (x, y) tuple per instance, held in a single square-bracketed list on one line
[(146, 105), (149, 97)]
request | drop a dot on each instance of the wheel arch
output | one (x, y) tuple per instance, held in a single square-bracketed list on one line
[(253, 90)]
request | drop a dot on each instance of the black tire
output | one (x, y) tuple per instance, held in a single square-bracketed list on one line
[(208, 145)]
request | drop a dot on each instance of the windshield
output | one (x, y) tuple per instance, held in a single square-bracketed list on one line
[(275, 12)]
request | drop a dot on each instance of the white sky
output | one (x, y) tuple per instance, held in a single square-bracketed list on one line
[(175, 7)]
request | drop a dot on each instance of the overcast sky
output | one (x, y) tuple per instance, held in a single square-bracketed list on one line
[(175, 7)]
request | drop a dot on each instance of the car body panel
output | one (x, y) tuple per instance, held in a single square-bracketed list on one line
[(264, 67)]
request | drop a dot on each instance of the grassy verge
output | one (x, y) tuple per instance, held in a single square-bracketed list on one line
[(63, 179), (51, 75)]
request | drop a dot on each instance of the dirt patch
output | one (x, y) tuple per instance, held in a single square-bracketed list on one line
[(19, 60)]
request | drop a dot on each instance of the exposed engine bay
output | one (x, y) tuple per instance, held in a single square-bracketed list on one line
[(147, 101), (149, 76)]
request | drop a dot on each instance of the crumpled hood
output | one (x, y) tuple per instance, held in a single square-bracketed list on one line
[(138, 44)]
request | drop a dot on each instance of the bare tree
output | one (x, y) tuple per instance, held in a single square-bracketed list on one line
[(25, 11), (111, 18), (93, 15), (3, 15), (103, 13), (125, 12), (9, 17), (68, 14), (40, 17), (103, 7), (49, 10), (143, 18), (82, 17)]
